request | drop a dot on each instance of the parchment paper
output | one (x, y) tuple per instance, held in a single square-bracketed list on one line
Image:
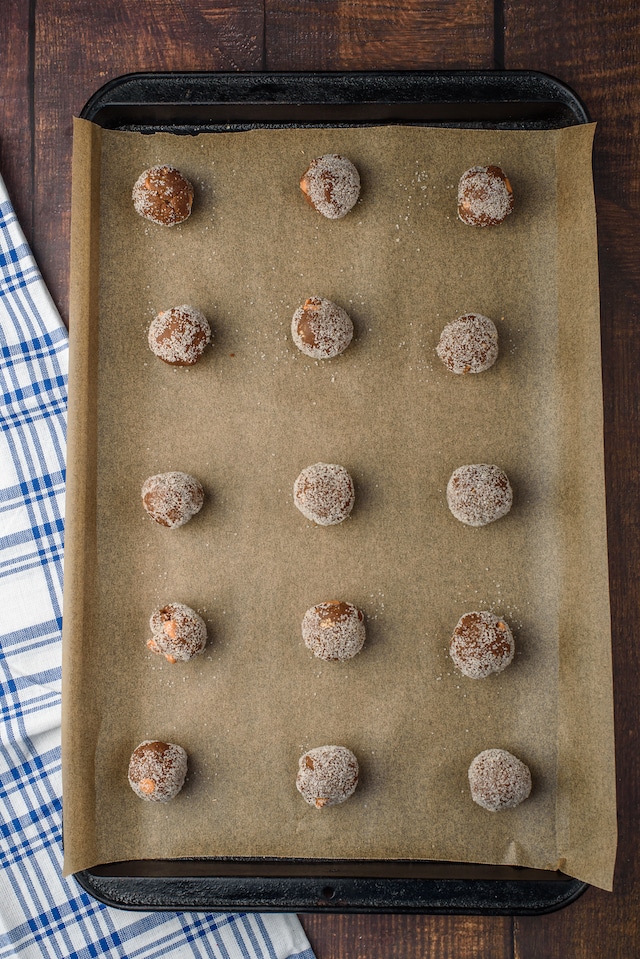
[(251, 414)]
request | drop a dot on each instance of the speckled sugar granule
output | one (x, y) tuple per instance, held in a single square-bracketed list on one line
[(327, 775), (479, 493), (498, 780), (485, 197), (331, 185), (157, 770), (469, 344), (334, 631), (324, 493), (482, 644), (163, 195)]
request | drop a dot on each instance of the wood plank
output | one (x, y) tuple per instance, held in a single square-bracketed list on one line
[(408, 937), (593, 47), (378, 34), (16, 118), (79, 45)]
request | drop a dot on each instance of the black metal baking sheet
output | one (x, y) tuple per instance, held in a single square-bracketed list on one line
[(209, 102), (290, 885), (191, 103)]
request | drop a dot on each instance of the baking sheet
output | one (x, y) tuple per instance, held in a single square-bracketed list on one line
[(254, 412)]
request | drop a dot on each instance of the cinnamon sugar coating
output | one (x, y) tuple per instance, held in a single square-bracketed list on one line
[(498, 780), (157, 770), (178, 632), (469, 344), (327, 775), (321, 329), (324, 493), (481, 644), (331, 185), (334, 631), (172, 499), (485, 196), (179, 336), (479, 494), (163, 195)]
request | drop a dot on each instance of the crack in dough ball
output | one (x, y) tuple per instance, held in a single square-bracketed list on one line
[(327, 775)]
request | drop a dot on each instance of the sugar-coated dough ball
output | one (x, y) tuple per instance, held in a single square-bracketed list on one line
[(498, 780), (163, 195), (327, 775), (334, 630), (324, 493), (469, 344), (331, 184), (321, 329), (485, 196), (172, 499), (479, 493), (481, 644), (178, 632), (157, 770), (179, 336)]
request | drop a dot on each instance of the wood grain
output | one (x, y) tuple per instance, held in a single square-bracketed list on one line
[(409, 937), (594, 48), (378, 34), (16, 110)]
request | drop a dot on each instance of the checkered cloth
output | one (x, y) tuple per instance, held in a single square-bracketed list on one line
[(42, 914)]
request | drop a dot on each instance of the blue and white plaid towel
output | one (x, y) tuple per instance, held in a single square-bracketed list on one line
[(42, 914)]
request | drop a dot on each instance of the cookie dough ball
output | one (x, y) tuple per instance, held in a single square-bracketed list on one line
[(324, 493), (498, 780), (481, 644), (331, 184), (479, 494), (334, 630), (178, 633), (179, 336), (321, 329), (172, 499), (157, 770), (469, 344), (163, 195), (327, 775), (485, 196)]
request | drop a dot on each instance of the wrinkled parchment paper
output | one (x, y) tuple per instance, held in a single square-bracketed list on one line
[(251, 414)]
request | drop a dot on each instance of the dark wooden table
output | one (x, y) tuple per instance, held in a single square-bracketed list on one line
[(56, 53)]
